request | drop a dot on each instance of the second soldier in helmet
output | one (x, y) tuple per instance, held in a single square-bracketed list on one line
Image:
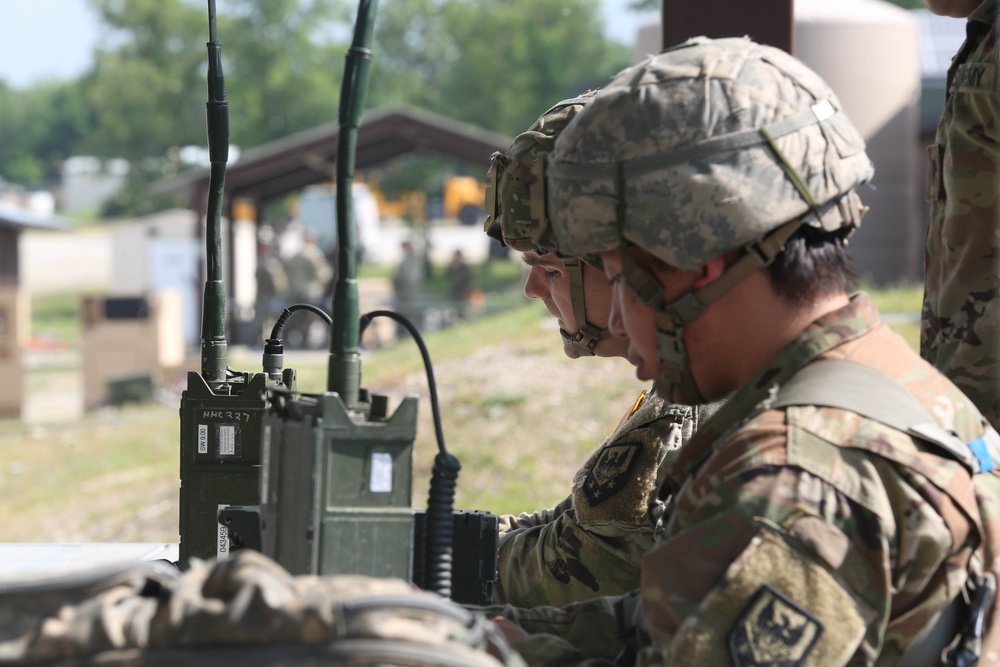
[(591, 543)]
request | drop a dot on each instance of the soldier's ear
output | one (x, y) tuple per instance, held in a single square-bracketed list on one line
[(710, 272)]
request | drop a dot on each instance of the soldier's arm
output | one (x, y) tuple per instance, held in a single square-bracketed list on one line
[(561, 562), (583, 634), (511, 522)]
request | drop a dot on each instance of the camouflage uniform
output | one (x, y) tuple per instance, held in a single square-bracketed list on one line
[(591, 543), (798, 533), (244, 611), (853, 532), (960, 332)]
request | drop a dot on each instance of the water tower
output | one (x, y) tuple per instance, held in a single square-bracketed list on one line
[(868, 51)]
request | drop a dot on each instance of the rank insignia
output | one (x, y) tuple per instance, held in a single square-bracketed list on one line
[(611, 471), (773, 631)]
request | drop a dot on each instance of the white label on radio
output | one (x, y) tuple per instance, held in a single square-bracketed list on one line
[(265, 458), (381, 477), (203, 438), (227, 440), (222, 539)]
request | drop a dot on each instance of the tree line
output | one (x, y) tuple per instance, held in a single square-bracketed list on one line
[(493, 64)]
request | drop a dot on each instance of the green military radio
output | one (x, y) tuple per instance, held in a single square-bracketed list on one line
[(322, 483)]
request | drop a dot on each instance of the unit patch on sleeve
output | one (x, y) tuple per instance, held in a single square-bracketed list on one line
[(611, 471), (773, 631)]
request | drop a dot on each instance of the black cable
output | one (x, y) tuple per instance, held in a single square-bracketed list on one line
[(439, 526), (279, 325), (274, 351), (431, 384)]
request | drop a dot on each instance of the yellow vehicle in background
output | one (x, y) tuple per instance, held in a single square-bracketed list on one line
[(463, 200)]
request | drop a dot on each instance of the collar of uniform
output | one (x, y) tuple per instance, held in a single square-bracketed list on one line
[(854, 320), (986, 12)]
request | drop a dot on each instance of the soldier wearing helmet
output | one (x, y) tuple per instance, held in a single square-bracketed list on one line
[(591, 543), (842, 506), (512, 223)]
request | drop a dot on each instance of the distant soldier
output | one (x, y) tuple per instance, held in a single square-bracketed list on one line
[(843, 506), (591, 543), (960, 332), (309, 271), (272, 282), (407, 282), (461, 283)]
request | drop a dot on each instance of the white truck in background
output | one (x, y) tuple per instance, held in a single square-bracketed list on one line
[(318, 212)]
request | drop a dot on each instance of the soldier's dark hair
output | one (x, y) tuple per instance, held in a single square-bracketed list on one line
[(815, 263)]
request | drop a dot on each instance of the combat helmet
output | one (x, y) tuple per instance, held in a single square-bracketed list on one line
[(702, 149), (512, 222)]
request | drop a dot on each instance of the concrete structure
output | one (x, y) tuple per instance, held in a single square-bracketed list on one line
[(15, 308), (129, 339), (88, 182), (156, 252)]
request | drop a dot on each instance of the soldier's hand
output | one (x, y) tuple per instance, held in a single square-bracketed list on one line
[(511, 631)]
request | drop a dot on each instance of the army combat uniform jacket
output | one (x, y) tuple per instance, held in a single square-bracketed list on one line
[(960, 332), (803, 535), (591, 543)]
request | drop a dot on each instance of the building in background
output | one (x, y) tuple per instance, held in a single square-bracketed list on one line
[(887, 66)]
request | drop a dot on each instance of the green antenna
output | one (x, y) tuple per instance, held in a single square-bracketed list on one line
[(213, 323), (344, 370)]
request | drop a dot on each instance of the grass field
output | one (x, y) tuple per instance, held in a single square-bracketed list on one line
[(518, 415)]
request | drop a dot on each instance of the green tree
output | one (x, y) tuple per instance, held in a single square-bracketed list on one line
[(40, 126), (645, 5), (146, 73), (279, 60), (497, 65), (285, 60), (148, 83)]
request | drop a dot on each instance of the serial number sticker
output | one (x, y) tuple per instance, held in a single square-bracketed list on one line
[(381, 474), (222, 539), (227, 440), (203, 438), (266, 460)]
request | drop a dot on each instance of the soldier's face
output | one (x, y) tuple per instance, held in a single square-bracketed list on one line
[(549, 280), (958, 9), (632, 319)]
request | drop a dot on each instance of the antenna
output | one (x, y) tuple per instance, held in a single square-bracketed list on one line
[(213, 324), (344, 369), (221, 409)]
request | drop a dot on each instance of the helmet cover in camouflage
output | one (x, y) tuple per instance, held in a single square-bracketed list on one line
[(508, 196), (513, 222), (676, 156)]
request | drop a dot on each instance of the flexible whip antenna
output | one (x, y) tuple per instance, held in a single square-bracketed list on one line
[(213, 322), (344, 369)]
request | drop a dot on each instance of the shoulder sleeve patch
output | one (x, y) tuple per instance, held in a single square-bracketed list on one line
[(611, 471), (773, 630), (775, 605)]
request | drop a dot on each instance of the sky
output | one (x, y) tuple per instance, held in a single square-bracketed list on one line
[(42, 39)]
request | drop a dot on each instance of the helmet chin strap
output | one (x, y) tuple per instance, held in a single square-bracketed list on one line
[(587, 335), (675, 378)]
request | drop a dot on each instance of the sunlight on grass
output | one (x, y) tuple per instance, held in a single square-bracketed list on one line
[(897, 299), (56, 316), (900, 308), (90, 480), (517, 413)]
